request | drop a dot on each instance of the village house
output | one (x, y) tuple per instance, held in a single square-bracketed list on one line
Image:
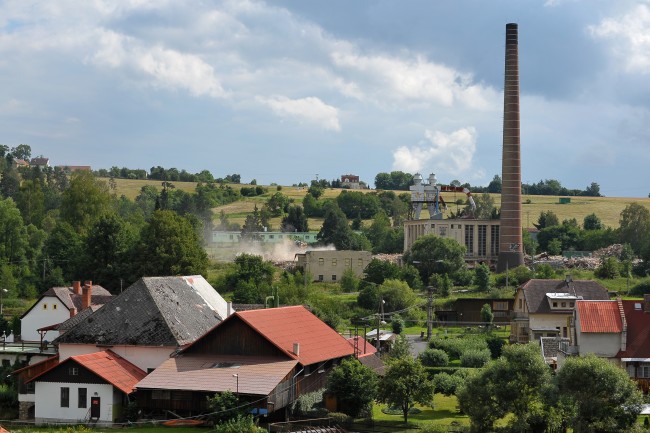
[(267, 357), (94, 387), (543, 308), (616, 330), (57, 305), (144, 325)]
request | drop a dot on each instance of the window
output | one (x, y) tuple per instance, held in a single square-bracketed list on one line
[(348, 263), (45, 306), (521, 304), (321, 261), (494, 240), (333, 277), (563, 304), (572, 304), (360, 263), (500, 305), (270, 236), (482, 240), (65, 396), (82, 394), (554, 304), (30, 388), (644, 370), (320, 278), (469, 239), (73, 371), (443, 230), (54, 306), (334, 262)]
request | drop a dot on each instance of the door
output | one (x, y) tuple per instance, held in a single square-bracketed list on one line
[(94, 407)]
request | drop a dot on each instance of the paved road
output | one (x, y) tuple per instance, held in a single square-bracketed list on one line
[(418, 345)]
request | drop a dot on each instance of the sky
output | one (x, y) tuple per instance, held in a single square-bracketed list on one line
[(290, 90)]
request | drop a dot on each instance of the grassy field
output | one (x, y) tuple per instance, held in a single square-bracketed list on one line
[(608, 209)]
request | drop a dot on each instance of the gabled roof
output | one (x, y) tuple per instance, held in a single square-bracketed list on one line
[(599, 316), (214, 373), (363, 346), (67, 296), (288, 325), (40, 161), (153, 311), (638, 331), (109, 366), (535, 291)]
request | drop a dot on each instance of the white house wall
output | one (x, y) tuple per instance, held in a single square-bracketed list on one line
[(548, 322), (144, 357), (48, 402), (603, 345), (47, 311)]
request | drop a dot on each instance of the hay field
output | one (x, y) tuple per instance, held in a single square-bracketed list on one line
[(608, 209)]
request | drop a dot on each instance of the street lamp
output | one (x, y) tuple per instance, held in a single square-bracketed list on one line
[(236, 376), (2, 292)]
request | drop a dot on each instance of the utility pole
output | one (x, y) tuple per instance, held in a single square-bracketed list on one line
[(429, 312)]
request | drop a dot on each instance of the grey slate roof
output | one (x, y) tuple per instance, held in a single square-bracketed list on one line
[(535, 293), (153, 311)]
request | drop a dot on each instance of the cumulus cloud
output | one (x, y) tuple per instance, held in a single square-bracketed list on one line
[(310, 109), (414, 79), (168, 68), (630, 37), (451, 153)]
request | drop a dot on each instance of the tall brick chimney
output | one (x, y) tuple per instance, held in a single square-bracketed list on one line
[(86, 294), (76, 287), (510, 239)]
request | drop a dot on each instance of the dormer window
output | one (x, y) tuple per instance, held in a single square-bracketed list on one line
[(563, 304), (554, 304), (45, 306)]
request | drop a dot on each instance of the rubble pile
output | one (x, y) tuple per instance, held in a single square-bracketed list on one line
[(588, 262), (393, 258)]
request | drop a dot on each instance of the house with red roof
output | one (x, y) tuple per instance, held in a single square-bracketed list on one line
[(92, 387), (617, 330), (267, 357)]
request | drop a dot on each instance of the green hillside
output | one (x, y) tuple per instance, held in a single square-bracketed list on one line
[(608, 209)]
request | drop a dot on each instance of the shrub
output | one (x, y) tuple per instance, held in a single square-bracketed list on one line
[(310, 403), (434, 358), (495, 345), (447, 384), (397, 324), (339, 418), (475, 358), (516, 277), (241, 424), (608, 269), (455, 347)]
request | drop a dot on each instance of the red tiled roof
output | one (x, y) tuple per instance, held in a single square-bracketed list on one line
[(638, 331), (288, 325), (109, 366), (599, 316), (256, 375)]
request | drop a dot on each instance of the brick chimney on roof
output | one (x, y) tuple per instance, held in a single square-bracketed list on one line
[(73, 311), (76, 287), (86, 294)]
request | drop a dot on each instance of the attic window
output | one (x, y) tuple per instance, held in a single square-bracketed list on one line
[(45, 306), (73, 371), (54, 306), (637, 306), (225, 365)]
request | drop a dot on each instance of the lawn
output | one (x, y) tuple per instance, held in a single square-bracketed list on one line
[(444, 412)]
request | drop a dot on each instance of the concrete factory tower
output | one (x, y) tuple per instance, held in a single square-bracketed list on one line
[(510, 240)]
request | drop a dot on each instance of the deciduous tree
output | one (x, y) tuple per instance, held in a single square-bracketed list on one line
[(603, 397), (354, 385), (405, 384)]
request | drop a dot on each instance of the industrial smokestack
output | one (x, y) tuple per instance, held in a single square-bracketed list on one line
[(510, 240)]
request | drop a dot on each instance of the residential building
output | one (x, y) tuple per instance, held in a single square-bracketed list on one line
[(92, 387), (40, 162), (544, 308), (144, 324), (616, 330), (350, 181), (267, 357), (330, 265), (57, 305)]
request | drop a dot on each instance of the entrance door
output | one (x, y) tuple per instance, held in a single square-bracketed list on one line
[(94, 407)]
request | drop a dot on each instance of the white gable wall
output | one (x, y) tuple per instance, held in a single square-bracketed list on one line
[(48, 310), (48, 402), (144, 357)]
